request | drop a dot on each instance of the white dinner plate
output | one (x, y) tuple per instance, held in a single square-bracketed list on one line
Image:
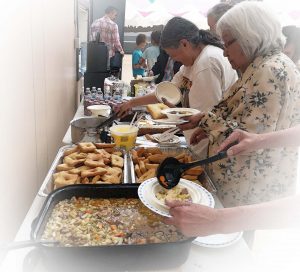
[(218, 240), (146, 195), (167, 121)]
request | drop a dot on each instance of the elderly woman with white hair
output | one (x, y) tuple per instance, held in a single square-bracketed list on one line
[(264, 99)]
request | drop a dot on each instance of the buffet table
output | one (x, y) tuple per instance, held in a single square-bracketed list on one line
[(236, 257)]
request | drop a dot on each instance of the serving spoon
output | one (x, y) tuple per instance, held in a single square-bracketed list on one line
[(170, 170)]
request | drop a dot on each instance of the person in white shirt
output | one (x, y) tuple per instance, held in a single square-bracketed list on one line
[(205, 74)]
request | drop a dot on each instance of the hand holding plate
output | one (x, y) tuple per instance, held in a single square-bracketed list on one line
[(193, 121)]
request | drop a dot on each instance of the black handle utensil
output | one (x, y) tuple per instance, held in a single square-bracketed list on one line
[(170, 170), (108, 121)]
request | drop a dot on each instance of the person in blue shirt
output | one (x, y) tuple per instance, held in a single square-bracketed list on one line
[(152, 52), (138, 63)]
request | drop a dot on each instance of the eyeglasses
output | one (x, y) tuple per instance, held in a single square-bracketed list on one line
[(229, 43)]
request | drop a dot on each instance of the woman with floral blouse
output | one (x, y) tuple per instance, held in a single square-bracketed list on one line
[(265, 98)]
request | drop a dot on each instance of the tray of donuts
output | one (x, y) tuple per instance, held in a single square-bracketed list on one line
[(86, 163), (144, 161)]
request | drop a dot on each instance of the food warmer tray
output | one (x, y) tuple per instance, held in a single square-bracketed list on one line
[(48, 184), (151, 256), (173, 151)]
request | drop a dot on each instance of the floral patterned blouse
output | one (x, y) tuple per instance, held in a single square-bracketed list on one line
[(266, 98)]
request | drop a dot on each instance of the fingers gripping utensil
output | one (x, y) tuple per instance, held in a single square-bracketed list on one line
[(170, 170)]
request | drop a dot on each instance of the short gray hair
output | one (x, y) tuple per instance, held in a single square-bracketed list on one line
[(218, 10), (255, 28)]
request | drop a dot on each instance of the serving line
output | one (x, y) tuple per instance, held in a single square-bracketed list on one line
[(236, 257)]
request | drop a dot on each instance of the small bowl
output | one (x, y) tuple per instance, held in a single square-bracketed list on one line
[(169, 91), (175, 114), (102, 110)]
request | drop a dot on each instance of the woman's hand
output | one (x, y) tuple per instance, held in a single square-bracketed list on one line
[(197, 136), (123, 109), (193, 219), (193, 121), (247, 142)]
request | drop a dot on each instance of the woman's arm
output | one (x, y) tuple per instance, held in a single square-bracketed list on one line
[(198, 220), (123, 108), (248, 142)]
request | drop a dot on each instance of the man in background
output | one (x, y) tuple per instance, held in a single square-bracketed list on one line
[(109, 34)]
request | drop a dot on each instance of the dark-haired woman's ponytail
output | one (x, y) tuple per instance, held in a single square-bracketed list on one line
[(208, 38)]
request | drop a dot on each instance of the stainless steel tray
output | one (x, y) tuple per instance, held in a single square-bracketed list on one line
[(48, 184), (172, 151)]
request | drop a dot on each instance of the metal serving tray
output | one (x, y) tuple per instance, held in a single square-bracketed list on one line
[(172, 151), (48, 184)]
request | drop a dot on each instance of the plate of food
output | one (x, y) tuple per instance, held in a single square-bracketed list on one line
[(175, 114), (153, 195), (166, 121)]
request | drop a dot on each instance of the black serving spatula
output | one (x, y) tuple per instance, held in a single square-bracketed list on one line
[(170, 170)]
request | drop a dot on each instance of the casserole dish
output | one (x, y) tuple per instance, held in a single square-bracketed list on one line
[(121, 257)]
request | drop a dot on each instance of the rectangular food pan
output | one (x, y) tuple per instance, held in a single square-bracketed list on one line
[(173, 151), (137, 257), (48, 183)]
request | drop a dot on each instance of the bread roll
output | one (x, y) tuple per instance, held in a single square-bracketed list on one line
[(155, 110)]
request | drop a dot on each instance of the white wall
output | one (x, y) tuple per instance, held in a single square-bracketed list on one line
[(37, 88)]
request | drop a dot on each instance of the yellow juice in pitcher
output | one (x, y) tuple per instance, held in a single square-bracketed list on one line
[(124, 136)]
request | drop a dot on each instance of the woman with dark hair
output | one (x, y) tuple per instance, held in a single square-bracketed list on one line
[(205, 74)]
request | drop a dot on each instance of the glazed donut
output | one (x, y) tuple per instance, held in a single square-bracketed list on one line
[(93, 172), (87, 147), (95, 179), (117, 161), (104, 153), (94, 160), (104, 145), (71, 150), (64, 167), (77, 155), (112, 176), (64, 178), (118, 153), (73, 162), (78, 169), (117, 169)]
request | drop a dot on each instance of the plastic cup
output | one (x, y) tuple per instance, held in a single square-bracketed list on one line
[(124, 136)]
